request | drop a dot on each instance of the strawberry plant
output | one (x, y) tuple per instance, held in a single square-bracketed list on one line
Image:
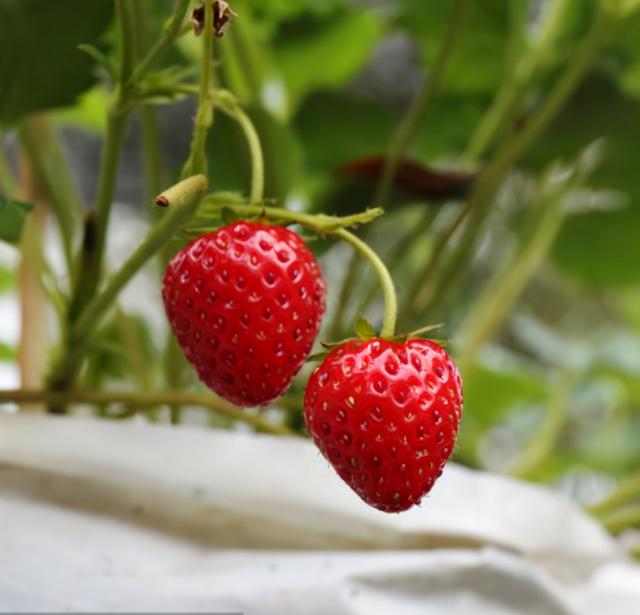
[(321, 180)]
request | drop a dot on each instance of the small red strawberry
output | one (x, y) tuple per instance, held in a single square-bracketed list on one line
[(245, 303), (385, 414)]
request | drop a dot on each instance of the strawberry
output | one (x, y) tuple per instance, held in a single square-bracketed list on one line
[(245, 303), (385, 414)]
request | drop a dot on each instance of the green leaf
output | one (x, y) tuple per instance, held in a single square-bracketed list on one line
[(315, 52), (364, 329), (12, 216), (482, 55), (7, 279), (7, 353), (599, 247), (41, 66), (336, 128)]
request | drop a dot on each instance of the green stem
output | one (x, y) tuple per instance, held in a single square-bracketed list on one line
[(626, 492), (388, 328), (255, 151), (197, 162), (499, 295), (436, 277), (92, 256), (319, 223), (151, 151), (126, 19), (144, 400), (182, 200), (541, 445), (622, 519), (509, 98), (170, 33), (410, 123)]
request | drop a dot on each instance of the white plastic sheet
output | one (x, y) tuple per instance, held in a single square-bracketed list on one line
[(121, 516)]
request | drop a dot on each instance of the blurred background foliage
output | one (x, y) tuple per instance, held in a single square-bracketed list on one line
[(542, 307)]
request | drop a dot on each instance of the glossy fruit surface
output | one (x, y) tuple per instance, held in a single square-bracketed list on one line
[(385, 415), (245, 303)]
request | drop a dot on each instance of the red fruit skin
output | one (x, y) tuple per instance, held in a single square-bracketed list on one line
[(245, 303), (385, 415)]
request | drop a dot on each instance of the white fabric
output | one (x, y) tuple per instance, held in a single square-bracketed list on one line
[(127, 516)]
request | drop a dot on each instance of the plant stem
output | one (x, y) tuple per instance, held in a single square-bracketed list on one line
[(509, 98), (388, 328), (409, 124), (182, 200), (436, 278), (32, 344), (92, 257), (501, 292), (170, 33), (197, 162), (622, 519), (319, 223), (126, 19), (541, 445), (626, 492), (144, 400), (255, 150)]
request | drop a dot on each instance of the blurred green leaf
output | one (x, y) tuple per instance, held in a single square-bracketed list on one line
[(489, 393), (7, 353), (12, 217), (599, 247), (315, 52), (41, 66), (7, 279), (481, 58), (336, 128)]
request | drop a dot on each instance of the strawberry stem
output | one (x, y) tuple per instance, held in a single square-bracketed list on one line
[(143, 400), (386, 282)]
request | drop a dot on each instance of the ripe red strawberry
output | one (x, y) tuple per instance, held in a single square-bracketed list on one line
[(385, 414), (245, 303)]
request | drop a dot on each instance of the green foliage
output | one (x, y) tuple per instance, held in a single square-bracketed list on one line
[(315, 52), (12, 218), (41, 66)]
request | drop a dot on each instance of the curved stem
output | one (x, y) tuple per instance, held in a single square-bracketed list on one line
[(144, 400), (409, 125), (255, 150), (388, 328)]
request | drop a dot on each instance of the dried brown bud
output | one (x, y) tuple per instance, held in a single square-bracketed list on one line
[(222, 14)]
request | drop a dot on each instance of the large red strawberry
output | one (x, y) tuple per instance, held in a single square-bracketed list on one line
[(385, 414), (245, 303)]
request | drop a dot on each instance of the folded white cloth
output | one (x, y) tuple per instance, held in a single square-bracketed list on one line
[(101, 515)]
